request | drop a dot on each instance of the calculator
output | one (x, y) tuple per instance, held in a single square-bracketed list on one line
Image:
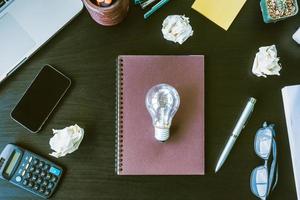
[(29, 171)]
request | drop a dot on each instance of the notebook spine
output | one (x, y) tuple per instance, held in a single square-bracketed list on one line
[(119, 117)]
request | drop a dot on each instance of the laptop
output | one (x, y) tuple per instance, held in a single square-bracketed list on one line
[(26, 25)]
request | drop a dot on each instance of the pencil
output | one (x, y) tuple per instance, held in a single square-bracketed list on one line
[(155, 8)]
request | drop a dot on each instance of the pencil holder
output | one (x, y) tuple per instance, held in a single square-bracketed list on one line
[(277, 10), (108, 16)]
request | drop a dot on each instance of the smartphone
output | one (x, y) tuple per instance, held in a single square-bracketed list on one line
[(40, 99)]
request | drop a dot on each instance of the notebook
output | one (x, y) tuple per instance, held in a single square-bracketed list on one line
[(220, 12), (137, 151), (291, 102)]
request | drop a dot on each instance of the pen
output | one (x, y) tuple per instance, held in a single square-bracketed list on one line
[(138, 1), (147, 3), (155, 8), (236, 132)]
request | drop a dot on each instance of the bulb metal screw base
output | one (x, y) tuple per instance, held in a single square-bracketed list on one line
[(162, 134)]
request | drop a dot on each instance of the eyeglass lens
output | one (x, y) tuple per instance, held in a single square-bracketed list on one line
[(263, 143), (259, 182)]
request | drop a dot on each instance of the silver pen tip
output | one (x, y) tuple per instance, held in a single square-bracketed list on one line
[(217, 168)]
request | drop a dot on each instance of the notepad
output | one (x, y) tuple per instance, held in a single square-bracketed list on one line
[(138, 152), (291, 102), (221, 12)]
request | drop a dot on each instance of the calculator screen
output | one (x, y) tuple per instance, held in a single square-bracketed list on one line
[(12, 163)]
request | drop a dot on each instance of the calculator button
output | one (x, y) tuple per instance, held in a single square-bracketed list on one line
[(27, 166), (55, 171), (42, 189), (26, 158), (18, 179), (20, 171), (39, 180), (30, 184), (30, 159), (23, 173), (28, 175), (50, 186), (25, 182), (35, 161), (43, 174), (36, 187), (41, 164), (47, 192), (31, 169), (45, 183), (46, 167), (48, 177), (34, 178), (37, 171), (54, 179)]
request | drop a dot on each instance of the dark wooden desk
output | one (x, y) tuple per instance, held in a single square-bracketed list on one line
[(86, 52)]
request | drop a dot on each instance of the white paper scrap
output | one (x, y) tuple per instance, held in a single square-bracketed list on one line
[(177, 28), (266, 62), (296, 36), (66, 140)]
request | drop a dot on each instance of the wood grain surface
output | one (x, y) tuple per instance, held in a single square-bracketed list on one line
[(86, 52)]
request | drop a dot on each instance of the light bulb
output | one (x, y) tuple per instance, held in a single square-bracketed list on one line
[(162, 102)]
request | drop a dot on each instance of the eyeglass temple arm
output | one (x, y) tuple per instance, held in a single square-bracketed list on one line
[(273, 169)]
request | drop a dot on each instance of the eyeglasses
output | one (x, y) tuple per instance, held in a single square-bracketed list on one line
[(264, 178)]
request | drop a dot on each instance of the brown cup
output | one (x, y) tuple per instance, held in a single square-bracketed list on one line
[(108, 16)]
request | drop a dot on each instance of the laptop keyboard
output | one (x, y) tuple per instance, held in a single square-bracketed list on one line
[(2, 2)]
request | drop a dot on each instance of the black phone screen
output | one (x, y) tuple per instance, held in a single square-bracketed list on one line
[(44, 93)]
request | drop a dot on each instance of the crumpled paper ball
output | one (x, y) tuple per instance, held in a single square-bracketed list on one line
[(66, 140), (266, 62), (177, 28)]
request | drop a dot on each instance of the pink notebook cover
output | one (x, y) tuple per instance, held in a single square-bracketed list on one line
[(138, 153)]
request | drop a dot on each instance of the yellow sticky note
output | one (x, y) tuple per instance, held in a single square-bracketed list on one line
[(221, 12)]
